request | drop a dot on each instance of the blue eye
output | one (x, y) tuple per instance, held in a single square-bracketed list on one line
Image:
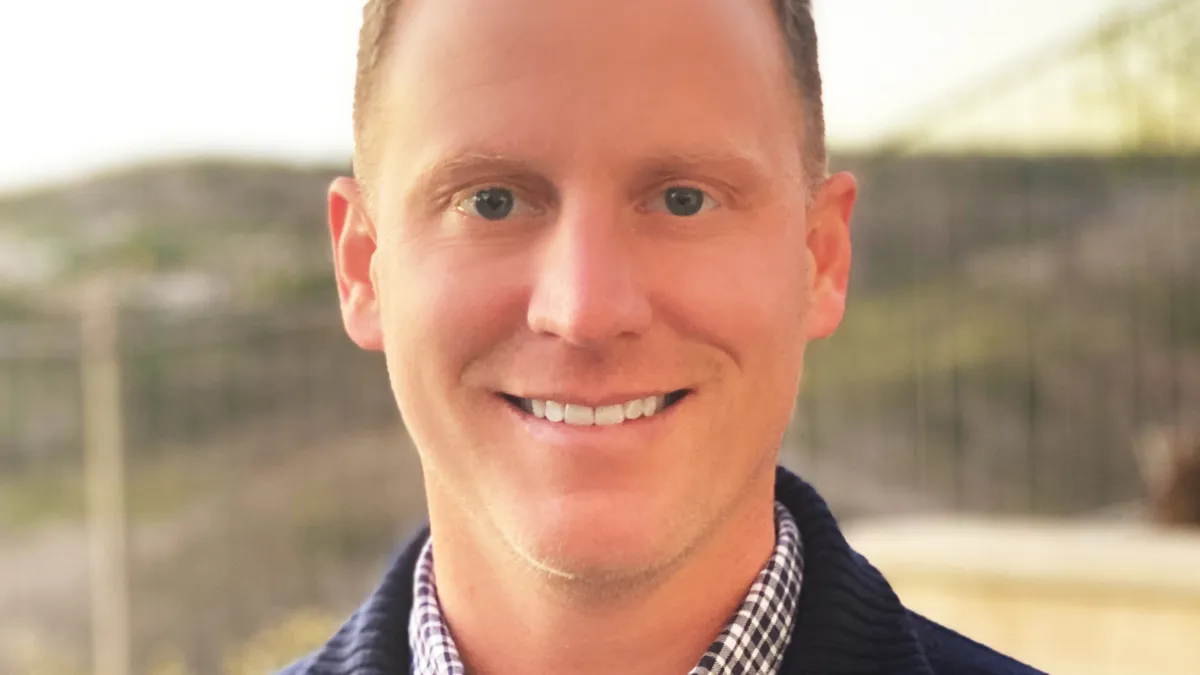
[(686, 201), (493, 203)]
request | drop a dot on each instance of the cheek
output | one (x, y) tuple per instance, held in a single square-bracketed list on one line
[(444, 307), (746, 295)]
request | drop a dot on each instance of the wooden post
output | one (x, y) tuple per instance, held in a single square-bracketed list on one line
[(105, 481)]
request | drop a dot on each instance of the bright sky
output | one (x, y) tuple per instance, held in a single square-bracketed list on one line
[(89, 84)]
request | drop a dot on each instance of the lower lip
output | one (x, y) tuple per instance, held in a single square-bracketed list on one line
[(630, 433)]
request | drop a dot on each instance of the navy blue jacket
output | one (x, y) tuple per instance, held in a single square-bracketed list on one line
[(848, 619)]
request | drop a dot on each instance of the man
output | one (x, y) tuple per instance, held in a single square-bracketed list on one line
[(592, 240)]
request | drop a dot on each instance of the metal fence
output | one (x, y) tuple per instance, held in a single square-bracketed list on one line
[(1013, 324), (246, 443)]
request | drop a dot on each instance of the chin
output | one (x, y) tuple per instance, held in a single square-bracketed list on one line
[(600, 540)]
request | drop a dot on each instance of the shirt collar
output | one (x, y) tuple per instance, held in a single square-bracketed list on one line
[(753, 641)]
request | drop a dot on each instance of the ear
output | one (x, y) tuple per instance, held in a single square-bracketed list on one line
[(828, 242), (354, 243)]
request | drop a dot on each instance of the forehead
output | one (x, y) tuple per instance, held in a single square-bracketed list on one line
[(564, 82)]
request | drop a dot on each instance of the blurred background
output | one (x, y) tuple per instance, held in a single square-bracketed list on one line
[(199, 473)]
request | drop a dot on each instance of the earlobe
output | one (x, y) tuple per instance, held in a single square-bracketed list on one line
[(827, 310), (353, 237)]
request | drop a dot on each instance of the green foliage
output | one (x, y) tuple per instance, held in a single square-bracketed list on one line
[(152, 250), (38, 496), (239, 423), (264, 652), (17, 305), (279, 645), (301, 287)]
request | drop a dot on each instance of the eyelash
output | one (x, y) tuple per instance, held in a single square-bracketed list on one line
[(709, 195), (459, 198)]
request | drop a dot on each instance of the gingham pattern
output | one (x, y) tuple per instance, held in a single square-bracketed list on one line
[(752, 644), (433, 650), (758, 635)]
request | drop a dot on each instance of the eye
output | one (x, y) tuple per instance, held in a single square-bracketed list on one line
[(493, 203), (687, 201)]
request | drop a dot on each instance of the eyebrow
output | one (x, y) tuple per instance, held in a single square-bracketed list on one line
[(457, 171), (740, 172), (717, 164)]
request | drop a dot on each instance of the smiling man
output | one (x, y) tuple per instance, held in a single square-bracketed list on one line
[(592, 240)]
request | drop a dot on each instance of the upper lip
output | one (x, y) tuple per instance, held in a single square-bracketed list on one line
[(591, 399)]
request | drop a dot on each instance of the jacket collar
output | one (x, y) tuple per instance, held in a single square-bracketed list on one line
[(848, 619)]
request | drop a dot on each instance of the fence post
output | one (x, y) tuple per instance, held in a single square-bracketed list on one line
[(104, 474)]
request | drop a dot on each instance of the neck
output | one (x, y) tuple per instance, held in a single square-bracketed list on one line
[(507, 617)]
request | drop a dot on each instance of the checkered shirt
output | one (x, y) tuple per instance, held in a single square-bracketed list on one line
[(752, 643)]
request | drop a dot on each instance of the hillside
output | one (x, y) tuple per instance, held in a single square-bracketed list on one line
[(256, 229), (1045, 307), (1012, 325), (221, 231)]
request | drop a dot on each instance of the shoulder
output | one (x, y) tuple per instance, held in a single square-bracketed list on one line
[(950, 652), (336, 657), (374, 640), (301, 667)]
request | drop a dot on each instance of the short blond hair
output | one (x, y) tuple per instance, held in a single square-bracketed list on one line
[(795, 21)]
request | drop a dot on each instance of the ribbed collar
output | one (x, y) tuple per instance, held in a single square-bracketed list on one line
[(848, 619)]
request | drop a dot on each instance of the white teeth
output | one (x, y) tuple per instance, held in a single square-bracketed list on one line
[(579, 415), (634, 409), (650, 405), (582, 415), (610, 414)]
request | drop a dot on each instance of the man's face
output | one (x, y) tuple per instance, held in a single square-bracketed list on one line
[(591, 203)]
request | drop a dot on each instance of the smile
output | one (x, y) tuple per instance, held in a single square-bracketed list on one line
[(582, 415)]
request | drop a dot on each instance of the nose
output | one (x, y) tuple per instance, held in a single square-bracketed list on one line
[(587, 289)]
